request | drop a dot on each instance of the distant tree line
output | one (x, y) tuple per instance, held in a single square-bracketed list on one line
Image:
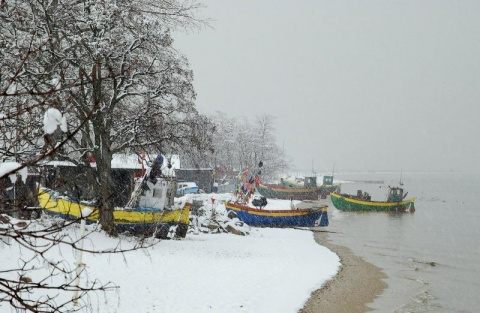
[(241, 143)]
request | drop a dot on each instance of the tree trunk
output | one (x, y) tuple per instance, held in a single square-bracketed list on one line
[(103, 155)]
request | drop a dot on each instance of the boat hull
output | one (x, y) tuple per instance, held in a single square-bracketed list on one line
[(135, 220), (280, 218), (287, 193), (347, 203)]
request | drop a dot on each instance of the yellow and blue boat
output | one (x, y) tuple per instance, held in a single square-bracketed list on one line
[(143, 199), (137, 220), (311, 217)]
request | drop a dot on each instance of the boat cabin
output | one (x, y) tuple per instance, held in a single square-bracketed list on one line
[(395, 194), (153, 194), (310, 182), (328, 180)]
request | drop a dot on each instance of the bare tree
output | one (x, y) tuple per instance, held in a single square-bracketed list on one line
[(266, 147), (110, 69), (25, 142), (117, 60), (241, 144)]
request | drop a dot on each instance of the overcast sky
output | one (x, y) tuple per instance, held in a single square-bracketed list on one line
[(365, 85)]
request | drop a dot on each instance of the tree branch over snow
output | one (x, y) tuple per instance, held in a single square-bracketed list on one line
[(110, 69)]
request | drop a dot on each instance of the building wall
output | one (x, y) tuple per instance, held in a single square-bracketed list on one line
[(203, 177)]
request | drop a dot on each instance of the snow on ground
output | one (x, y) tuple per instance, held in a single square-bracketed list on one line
[(269, 270)]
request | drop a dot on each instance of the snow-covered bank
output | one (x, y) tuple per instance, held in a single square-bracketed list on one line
[(269, 270)]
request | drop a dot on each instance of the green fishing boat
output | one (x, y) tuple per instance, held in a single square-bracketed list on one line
[(362, 201)]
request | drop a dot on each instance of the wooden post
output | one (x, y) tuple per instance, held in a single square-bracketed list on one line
[(79, 263)]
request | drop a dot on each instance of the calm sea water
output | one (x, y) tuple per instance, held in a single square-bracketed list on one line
[(431, 256)]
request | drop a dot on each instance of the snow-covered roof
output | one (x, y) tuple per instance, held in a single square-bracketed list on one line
[(130, 161), (197, 169), (57, 163)]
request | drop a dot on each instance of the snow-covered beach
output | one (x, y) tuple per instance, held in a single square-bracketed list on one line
[(211, 93), (268, 270)]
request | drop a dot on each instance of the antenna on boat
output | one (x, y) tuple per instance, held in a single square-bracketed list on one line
[(401, 183), (283, 157)]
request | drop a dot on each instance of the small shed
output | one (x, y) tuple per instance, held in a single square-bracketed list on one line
[(19, 193), (65, 177), (202, 176)]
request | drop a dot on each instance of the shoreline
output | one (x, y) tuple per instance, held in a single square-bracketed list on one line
[(356, 284)]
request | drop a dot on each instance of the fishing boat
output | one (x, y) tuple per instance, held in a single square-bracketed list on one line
[(307, 189), (287, 193), (362, 201), (150, 208), (251, 199), (141, 219), (138, 220), (310, 217)]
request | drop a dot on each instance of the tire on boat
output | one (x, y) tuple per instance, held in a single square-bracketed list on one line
[(181, 230), (162, 231)]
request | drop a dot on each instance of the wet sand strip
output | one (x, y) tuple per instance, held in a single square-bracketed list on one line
[(356, 284)]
